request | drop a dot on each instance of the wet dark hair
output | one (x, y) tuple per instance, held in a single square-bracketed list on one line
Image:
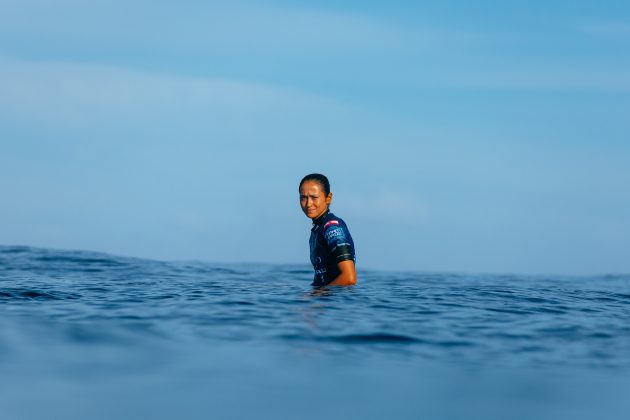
[(323, 181)]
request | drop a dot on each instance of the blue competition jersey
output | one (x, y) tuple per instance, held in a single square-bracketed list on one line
[(330, 244)]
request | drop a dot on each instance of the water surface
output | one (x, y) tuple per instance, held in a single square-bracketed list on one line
[(90, 335)]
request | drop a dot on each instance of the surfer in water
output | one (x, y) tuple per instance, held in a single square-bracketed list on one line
[(332, 248)]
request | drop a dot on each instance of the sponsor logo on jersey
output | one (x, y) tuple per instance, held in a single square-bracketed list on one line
[(333, 233)]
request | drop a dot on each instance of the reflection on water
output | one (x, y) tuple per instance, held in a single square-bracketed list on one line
[(97, 336)]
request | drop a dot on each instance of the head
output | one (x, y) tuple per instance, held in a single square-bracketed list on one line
[(315, 195)]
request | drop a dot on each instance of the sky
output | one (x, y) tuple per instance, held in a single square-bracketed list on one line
[(481, 137)]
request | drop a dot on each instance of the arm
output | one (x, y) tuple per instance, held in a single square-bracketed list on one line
[(348, 276), (339, 242)]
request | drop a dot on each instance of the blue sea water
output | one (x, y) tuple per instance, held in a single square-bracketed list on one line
[(86, 335)]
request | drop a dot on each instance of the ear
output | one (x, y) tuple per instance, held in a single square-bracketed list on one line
[(329, 198)]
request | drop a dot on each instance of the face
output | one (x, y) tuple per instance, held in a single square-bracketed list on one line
[(313, 200)]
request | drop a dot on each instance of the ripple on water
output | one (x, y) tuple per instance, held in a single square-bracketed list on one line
[(31, 294)]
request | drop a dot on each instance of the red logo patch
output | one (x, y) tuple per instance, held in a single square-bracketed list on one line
[(332, 222)]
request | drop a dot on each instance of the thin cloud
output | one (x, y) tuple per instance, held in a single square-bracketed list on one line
[(386, 205), (616, 30), (80, 93), (544, 78), (160, 28)]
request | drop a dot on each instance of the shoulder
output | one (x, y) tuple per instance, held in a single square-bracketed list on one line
[(333, 222), (334, 228)]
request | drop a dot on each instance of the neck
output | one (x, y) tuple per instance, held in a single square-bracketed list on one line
[(318, 218)]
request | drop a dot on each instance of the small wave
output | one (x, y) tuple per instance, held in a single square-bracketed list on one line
[(509, 311), (372, 338), (79, 260), (238, 303), (15, 249), (454, 343), (31, 294)]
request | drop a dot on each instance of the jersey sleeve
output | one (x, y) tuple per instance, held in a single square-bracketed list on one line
[(338, 242)]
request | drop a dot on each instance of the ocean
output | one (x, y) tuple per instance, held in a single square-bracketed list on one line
[(86, 335)]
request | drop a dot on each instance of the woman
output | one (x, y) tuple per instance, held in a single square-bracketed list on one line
[(332, 248)]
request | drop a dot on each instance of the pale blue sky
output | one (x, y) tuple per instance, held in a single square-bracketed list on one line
[(458, 136)]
